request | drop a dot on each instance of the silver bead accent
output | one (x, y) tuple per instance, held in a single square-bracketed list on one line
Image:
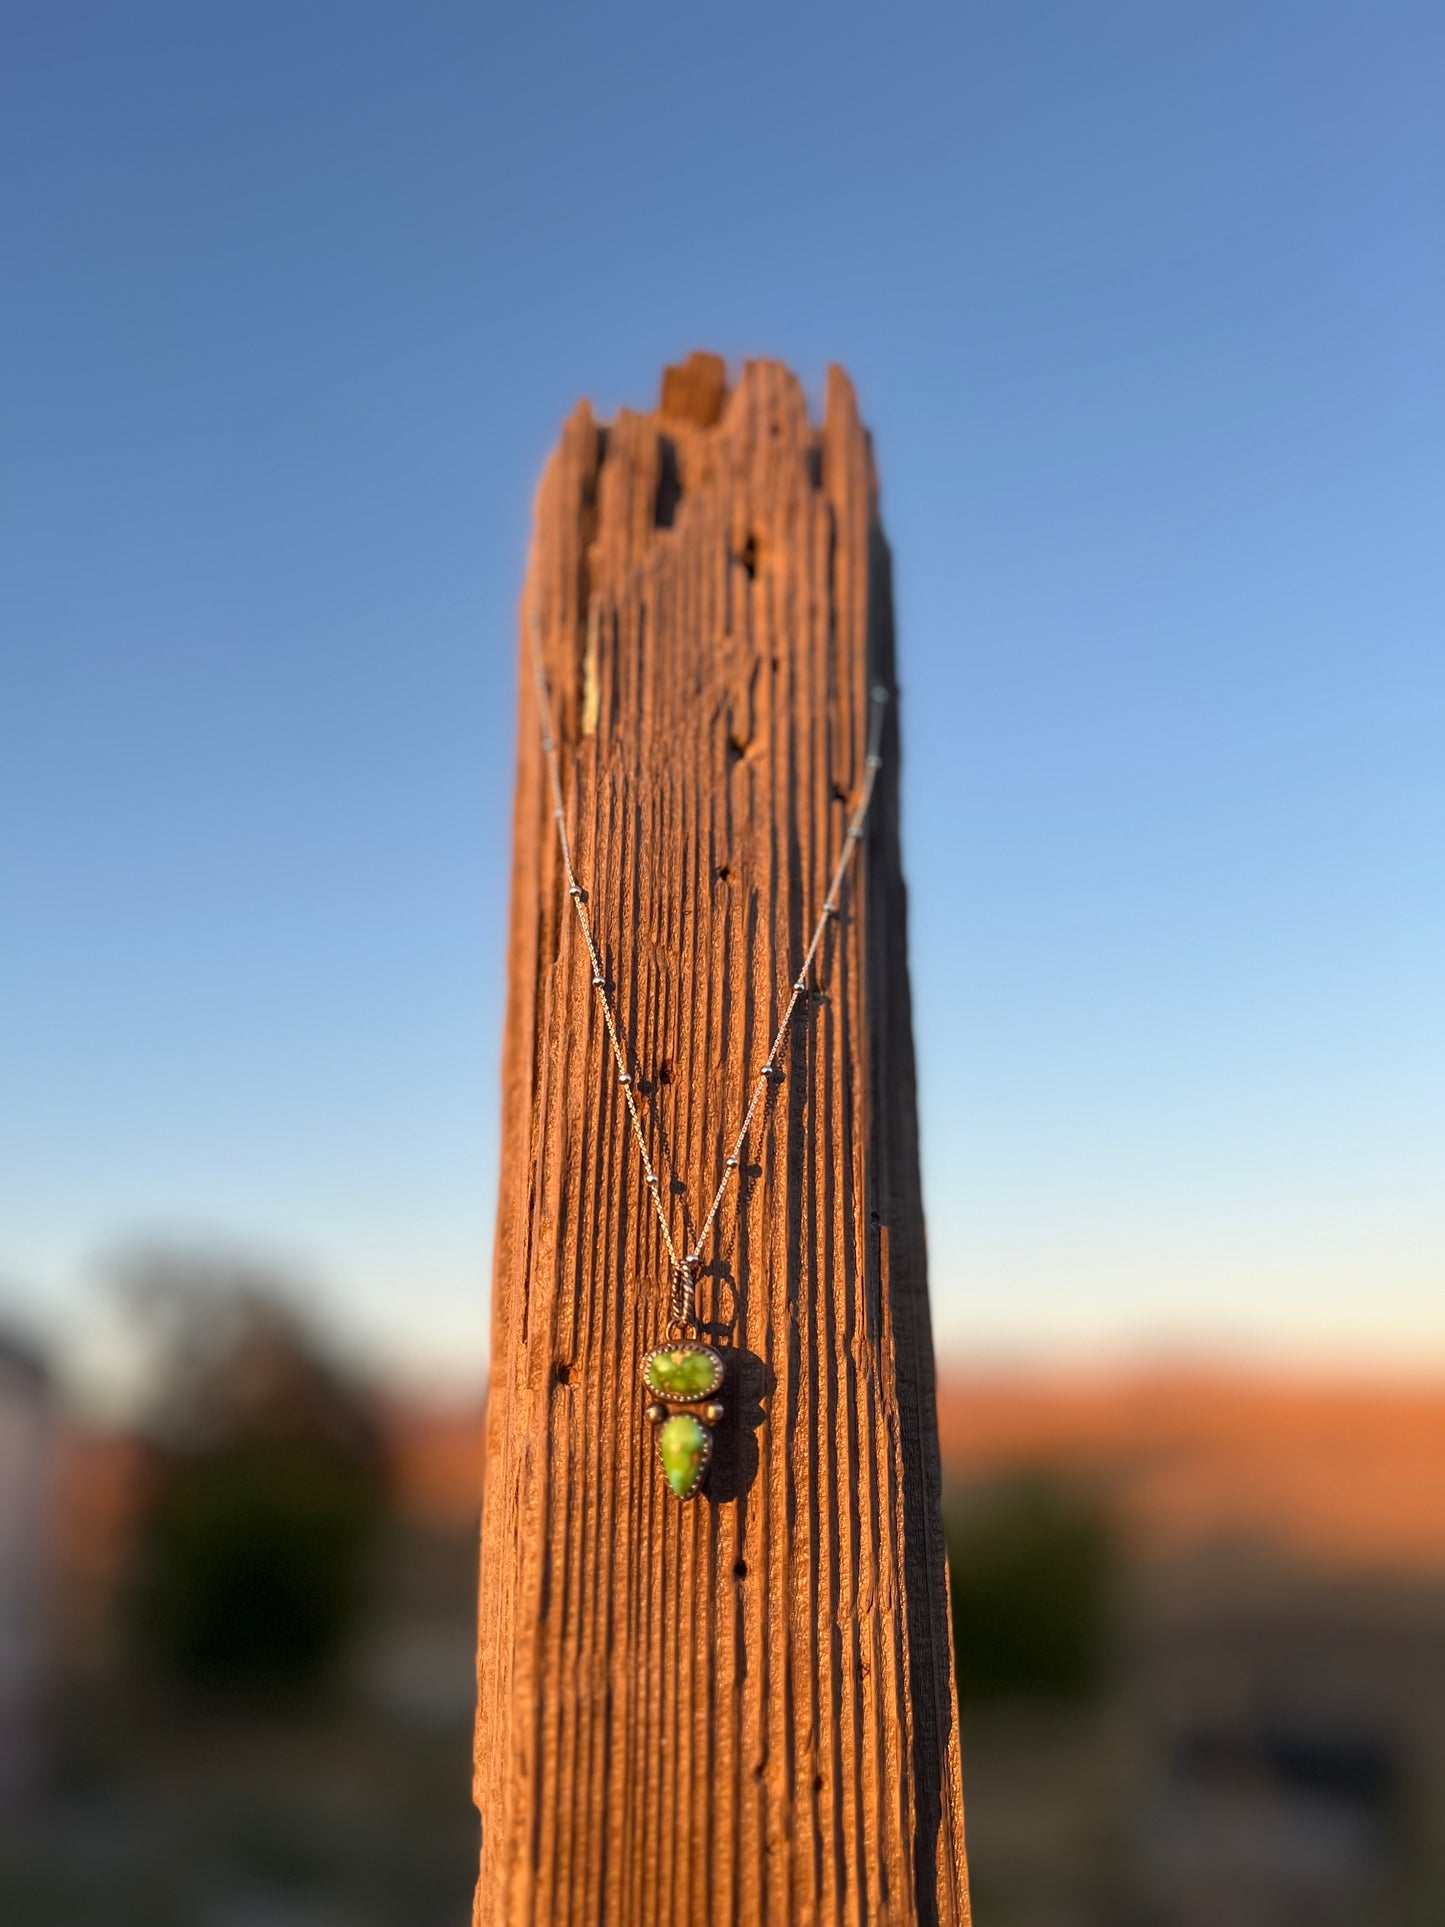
[(655, 1414), (712, 1411), (732, 1164), (624, 1077)]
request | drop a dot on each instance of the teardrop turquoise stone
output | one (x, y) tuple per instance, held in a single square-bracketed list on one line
[(684, 1445)]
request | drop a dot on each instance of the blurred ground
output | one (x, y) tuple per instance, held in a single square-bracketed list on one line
[(248, 1612), (349, 1805), (1201, 1627)]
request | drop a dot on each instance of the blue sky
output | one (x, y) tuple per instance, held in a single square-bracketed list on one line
[(1143, 303)]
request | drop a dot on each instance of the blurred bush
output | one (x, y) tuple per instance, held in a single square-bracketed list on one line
[(1033, 1565), (265, 1487)]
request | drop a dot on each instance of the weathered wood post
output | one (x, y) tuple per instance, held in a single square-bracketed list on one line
[(737, 1711)]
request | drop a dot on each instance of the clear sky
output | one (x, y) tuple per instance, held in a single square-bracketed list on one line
[(1144, 305)]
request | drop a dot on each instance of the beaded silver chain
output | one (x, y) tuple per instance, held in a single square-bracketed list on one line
[(684, 1267)]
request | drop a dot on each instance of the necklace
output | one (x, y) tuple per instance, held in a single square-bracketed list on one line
[(685, 1375)]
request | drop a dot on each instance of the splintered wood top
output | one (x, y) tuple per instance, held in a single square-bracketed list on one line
[(739, 1709)]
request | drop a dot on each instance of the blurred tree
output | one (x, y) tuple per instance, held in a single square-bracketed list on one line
[(1032, 1565), (267, 1482)]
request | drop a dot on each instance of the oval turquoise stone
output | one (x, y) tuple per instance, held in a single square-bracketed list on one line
[(683, 1372), (684, 1445)]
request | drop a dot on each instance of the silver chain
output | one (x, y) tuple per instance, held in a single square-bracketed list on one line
[(685, 1267)]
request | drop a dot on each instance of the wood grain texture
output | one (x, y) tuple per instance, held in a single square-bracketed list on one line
[(737, 1712)]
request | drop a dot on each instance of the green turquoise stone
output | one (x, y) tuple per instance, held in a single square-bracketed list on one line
[(683, 1372), (684, 1445)]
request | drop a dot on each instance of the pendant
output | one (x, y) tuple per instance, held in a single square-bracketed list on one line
[(683, 1376)]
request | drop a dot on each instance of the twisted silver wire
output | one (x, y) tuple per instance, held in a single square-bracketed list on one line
[(684, 1269)]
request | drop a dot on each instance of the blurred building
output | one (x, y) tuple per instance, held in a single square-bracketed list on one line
[(25, 1446), (416, 1662)]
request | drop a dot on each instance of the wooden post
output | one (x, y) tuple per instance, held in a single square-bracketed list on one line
[(736, 1711)]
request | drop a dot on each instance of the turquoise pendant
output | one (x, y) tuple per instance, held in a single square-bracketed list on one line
[(684, 1375)]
